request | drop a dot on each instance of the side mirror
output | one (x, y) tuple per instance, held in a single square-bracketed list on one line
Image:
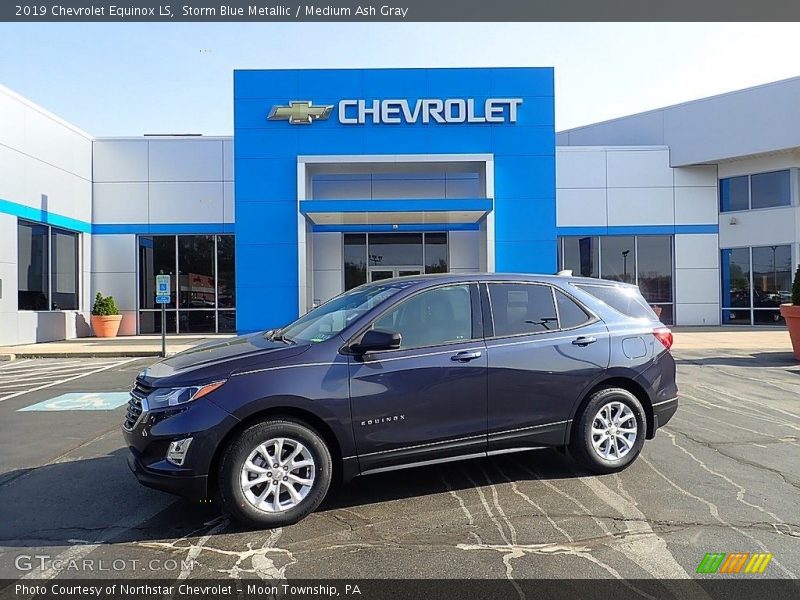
[(377, 339)]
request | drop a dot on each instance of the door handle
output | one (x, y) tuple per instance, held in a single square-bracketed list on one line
[(584, 340), (465, 356)]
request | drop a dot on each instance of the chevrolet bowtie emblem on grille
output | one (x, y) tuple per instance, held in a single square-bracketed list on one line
[(300, 113)]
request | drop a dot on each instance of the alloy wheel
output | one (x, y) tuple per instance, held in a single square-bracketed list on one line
[(278, 475), (614, 431)]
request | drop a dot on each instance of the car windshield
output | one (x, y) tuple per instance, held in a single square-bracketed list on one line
[(329, 319)]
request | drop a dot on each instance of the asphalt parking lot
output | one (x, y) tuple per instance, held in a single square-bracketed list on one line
[(724, 476)]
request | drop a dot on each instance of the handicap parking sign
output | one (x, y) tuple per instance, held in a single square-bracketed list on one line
[(81, 401)]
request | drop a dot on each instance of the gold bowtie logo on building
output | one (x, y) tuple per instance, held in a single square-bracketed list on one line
[(300, 112)]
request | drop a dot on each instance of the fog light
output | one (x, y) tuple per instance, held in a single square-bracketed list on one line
[(177, 451)]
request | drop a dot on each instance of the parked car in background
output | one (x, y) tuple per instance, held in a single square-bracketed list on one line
[(400, 373)]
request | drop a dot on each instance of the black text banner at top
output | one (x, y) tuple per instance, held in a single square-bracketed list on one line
[(399, 10)]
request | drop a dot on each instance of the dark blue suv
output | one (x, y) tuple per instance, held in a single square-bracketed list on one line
[(400, 373)]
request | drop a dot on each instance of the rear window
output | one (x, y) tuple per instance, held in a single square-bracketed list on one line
[(626, 300), (570, 315)]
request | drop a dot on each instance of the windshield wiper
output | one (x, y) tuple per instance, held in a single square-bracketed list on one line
[(280, 337)]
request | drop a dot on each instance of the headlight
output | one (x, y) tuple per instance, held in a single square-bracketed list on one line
[(163, 397)]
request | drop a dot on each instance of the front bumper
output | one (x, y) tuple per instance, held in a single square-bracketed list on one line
[(663, 411), (149, 438), (192, 487)]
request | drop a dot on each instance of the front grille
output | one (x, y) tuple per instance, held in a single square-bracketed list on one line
[(138, 394)]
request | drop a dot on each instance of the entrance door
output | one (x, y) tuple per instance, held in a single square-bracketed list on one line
[(380, 273)]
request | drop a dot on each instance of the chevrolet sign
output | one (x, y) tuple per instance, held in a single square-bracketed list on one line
[(359, 112)]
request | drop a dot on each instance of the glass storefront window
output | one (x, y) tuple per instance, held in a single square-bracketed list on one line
[(644, 260), (197, 284), (580, 254), (203, 284), (436, 253), (770, 189), (654, 267), (755, 282), (395, 249), (355, 260), (33, 273), (47, 267), (156, 257), (619, 258), (761, 190), (734, 193)]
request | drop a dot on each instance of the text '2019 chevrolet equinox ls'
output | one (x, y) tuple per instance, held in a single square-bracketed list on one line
[(404, 372)]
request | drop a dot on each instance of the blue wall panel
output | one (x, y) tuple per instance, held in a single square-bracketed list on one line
[(266, 164)]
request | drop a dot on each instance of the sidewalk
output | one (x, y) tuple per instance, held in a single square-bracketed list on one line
[(134, 345), (686, 338), (731, 338)]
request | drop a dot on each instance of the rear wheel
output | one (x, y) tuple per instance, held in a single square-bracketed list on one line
[(610, 431), (275, 473)]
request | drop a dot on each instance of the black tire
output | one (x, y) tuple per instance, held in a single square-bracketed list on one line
[(232, 463), (581, 446)]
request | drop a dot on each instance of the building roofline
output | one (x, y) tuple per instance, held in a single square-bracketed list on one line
[(44, 112), (687, 103)]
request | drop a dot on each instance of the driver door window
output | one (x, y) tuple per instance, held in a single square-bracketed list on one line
[(439, 316)]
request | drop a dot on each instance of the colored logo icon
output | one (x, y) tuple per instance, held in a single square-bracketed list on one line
[(734, 563)]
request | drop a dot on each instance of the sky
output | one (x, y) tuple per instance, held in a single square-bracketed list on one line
[(136, 78)]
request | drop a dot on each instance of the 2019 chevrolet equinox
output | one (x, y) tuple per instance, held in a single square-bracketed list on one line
[(399, 373)]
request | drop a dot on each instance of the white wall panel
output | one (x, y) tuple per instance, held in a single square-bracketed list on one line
[(227, 160), (581, 207), (641, 206), (702, 175), (186, 160), (8, 276), (327, 250), (120, 285), (114, 253), (758, 227), (120, 160), (581, 168), (697, 314), (697, 286), (465, 249), (228, 203), (696, 205), (121, 203), (13, 183), (639, 168), (8, 242), (12, 121), (9, 324), (189, 202), (327, 284), (697, 251)]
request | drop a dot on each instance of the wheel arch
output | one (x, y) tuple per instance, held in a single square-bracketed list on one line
[(625, 383), (306, 417)]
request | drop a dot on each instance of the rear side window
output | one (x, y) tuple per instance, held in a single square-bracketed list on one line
[(570, 315), (521, 308), (626, 300)]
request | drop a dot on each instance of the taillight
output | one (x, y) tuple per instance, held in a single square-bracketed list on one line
[(663, 335)]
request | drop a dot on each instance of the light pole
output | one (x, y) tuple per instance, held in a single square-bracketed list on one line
[(625, 265)]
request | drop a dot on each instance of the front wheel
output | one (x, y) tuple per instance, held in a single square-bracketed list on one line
[(275, 474), (610, 431)]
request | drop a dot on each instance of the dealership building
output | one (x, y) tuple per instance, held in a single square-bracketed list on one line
[(338, 177)]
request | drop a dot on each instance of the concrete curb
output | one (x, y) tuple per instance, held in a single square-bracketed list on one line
[(7, 357), (89, 354)]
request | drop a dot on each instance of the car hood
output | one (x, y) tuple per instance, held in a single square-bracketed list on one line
[(218, 359)]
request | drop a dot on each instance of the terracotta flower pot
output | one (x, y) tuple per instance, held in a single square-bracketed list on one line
[(106, 326), (791, 312)]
